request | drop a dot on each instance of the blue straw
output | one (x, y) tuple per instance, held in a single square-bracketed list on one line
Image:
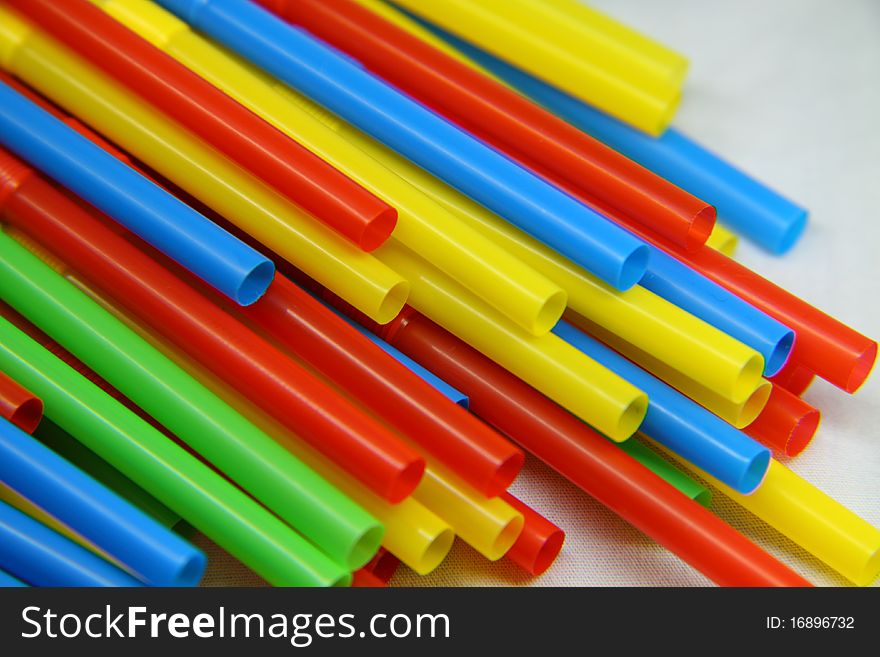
[(7, 581), (178, 231), (746, 205), (42, 557), (144, 546), (451, 154), (681, 424)]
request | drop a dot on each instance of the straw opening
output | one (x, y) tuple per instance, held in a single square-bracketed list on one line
[(550, 312), (802, 433), (255, 283), (633, 268), (378, 229), (779, 354), (871, 570), (700, 228), (632, 418), (548, 553), (749, 378), (755, 473), (28, 415), (193, 570), (507, 537), (792, 233), (365, 547), (861, 368), (435, 553), (404, 485), (392, 303), (505, 474), (753, 406)]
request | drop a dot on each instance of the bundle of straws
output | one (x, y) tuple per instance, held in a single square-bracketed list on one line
[(312, 276)]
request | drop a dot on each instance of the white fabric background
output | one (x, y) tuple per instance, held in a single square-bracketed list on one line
[(790, 91)]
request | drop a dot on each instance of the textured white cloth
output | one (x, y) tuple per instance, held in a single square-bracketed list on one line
[(789, 90)]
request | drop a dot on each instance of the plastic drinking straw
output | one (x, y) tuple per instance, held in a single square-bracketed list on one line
[(156, 296), (483, 267), (455, 396), (65, 445), (746, 205), (538, 543), (207, 175), (503, 118), (739, 413), (794, 378), (414, 534), (682, 425), (286, 165), (679, 339), (787, 423), (488, 524), (150, 551), (196, 416), (383, 565), (205, 499), (590, 461), (42, 557), (723, 240), (205, 331), (822, 526), (363, 578), (514, 33), (172, 227), (667, 472), (341, 85), (7, 581), (600, 398), (629, 52), (19, 406)]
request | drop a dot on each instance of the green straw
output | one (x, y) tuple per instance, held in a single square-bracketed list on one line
[(667, 471), (176, 478), (63, 444), (340, 528)]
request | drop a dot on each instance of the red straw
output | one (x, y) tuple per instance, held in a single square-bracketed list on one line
[(787, 423), (234, 130), (539, 541), (383, 565), (590, 461), (504, 119), (794, 378), (19, 405), (363, 578), (298, 399)]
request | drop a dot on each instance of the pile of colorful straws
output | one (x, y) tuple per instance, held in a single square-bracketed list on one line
[(488, 242)]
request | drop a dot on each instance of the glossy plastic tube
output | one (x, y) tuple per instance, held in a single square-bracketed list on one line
[(172, 227), (383, 565), (682, 425), (42, 557), (539, 542), (488, 524), (752, 209), (305, 327), (455, 396), (414, 534), (682, 341), (739, 412), (196, 416), (483, 267), (600, 398), (191, 321), (68, 447), (514, 33), (503, 118), (667, 472), (819, 524), (342, 86), (787, 424), (591, 462), (363, 578), (627, 52), (296, 172), (19, 406), (198, 169), (723, 240), (150, 551), (794, 378), (176, 478), (7, 581)]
